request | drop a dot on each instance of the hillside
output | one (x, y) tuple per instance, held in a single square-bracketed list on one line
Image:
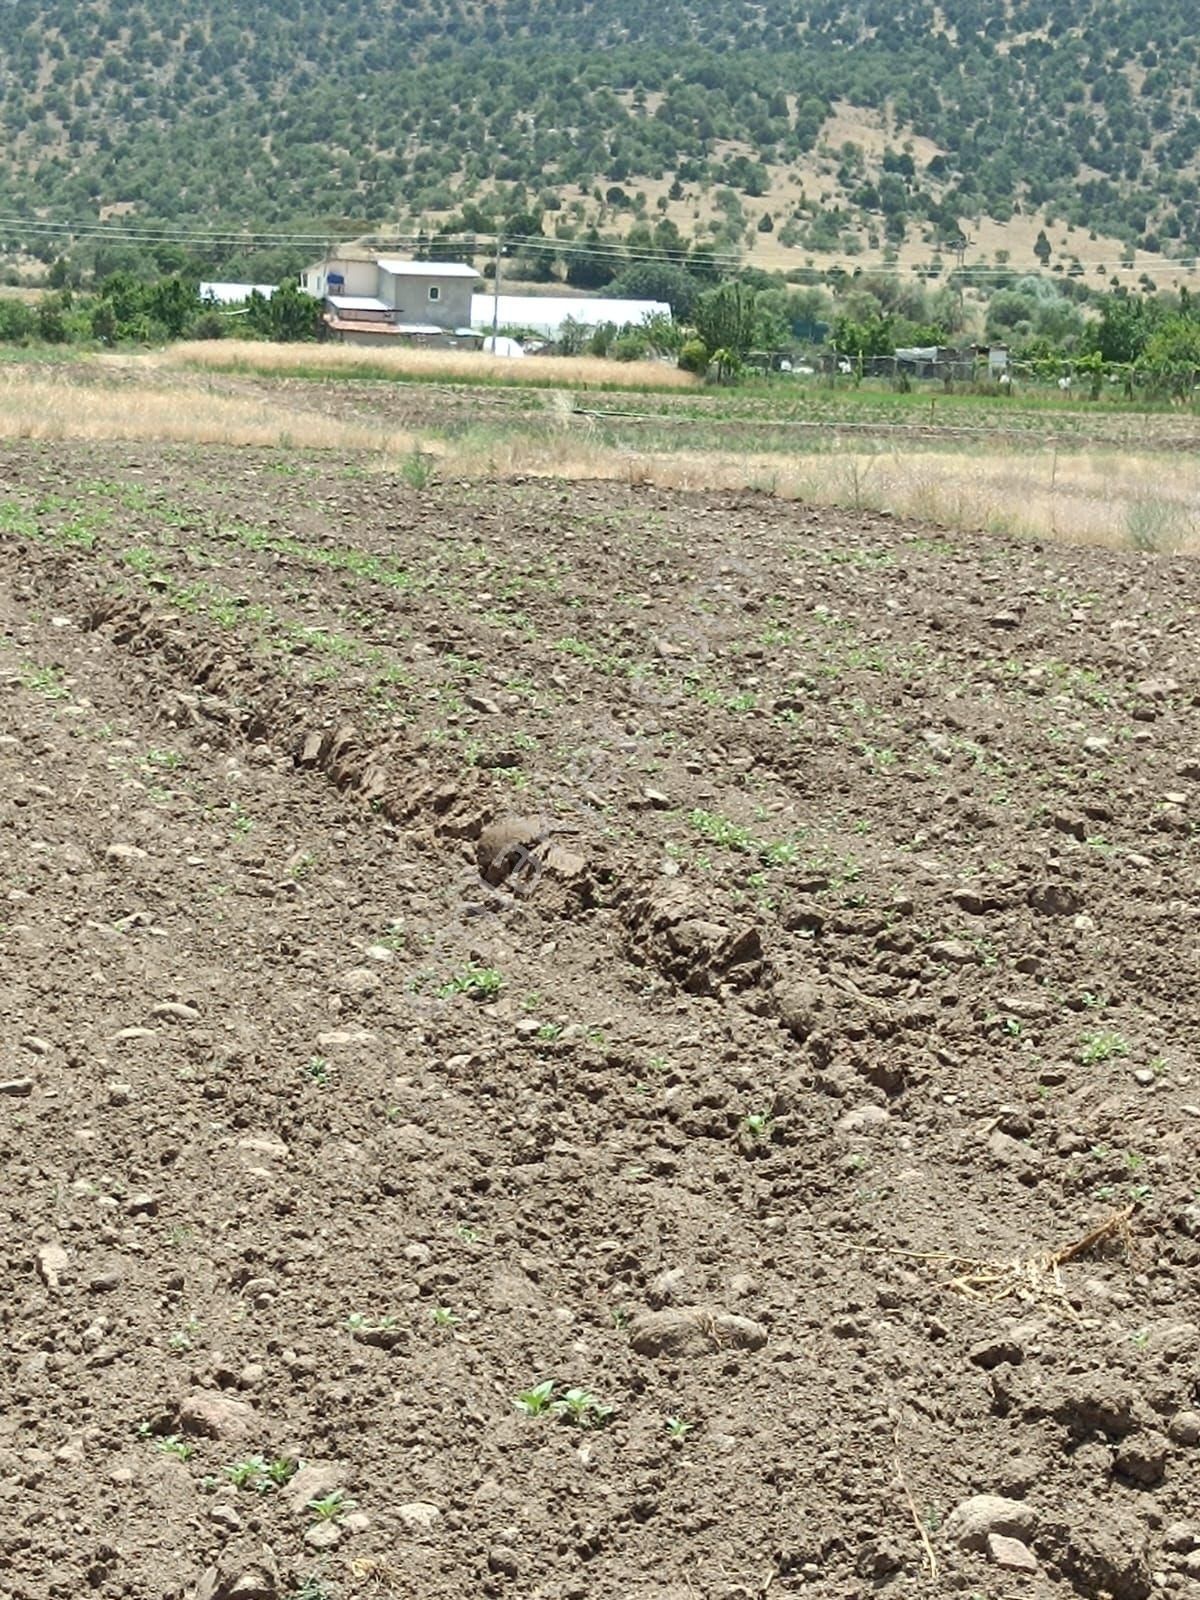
[(793, 131)]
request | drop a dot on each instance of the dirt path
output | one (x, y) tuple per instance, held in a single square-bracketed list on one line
[(700, 954)]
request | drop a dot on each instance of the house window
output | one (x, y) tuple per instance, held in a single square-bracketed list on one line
[(435, 292)]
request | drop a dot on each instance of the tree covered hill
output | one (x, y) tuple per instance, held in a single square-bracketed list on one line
[(368, 113)]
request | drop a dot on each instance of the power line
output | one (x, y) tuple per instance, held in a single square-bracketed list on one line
[(614, 251), (149, 233)]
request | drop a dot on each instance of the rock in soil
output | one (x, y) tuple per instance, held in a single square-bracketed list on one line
[(1011, 1554), (53, 1265), (218, 1416), (313, 1481), (244, 1572), (972, 1521), (419, 1516)]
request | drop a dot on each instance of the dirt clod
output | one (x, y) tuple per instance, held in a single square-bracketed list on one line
[(218, 1416), (693, 1330), (973, 1521), (244, 1572)]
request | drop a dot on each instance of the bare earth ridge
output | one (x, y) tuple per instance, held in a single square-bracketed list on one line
[(734, 961)]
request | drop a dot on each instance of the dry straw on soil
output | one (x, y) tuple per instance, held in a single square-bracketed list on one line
[(1029, 1277), (448, 366)]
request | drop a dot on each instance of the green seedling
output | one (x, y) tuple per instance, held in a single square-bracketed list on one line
[(311, 1589), (334, 1504), (242, 823), (247, 1474), (721, 831), (1103, 1046), (677, 1428), (318, 1070), (581, 1409), (167, 760), (46, 681), (443, 1317), (257, 1473), (417, 469), (367, 1327), (480, 983), (184, 1338), (173, 1445), (757, 1125), (535, 1402), (576, 1406)]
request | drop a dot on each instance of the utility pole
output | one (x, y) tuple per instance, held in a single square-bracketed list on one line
[(496, 294)]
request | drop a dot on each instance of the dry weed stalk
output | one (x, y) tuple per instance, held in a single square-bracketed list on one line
[(382, 1577), (1028, 1277), (1038, 1275), (927, 1547)]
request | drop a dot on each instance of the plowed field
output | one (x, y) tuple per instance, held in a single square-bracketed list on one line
[(590, 1044)]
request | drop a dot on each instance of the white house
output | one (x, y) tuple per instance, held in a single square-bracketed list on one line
[(546, 313), (234, 294), (369, 298)]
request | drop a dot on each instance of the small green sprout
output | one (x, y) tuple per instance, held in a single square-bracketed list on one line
[(242, 823), (1103, 1046), (678, 1428), (247, 1474), (257, 1473), (173, 1445), (537, 1401), (581, 1409), (334, 1504), (373, 1330), (480, 983), (576, 1406), (311, 1589)]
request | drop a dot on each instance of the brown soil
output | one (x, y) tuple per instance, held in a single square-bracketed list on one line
[(735, 961)]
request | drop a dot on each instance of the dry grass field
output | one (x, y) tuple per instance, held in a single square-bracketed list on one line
[(1097, 490), (430, 366)]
